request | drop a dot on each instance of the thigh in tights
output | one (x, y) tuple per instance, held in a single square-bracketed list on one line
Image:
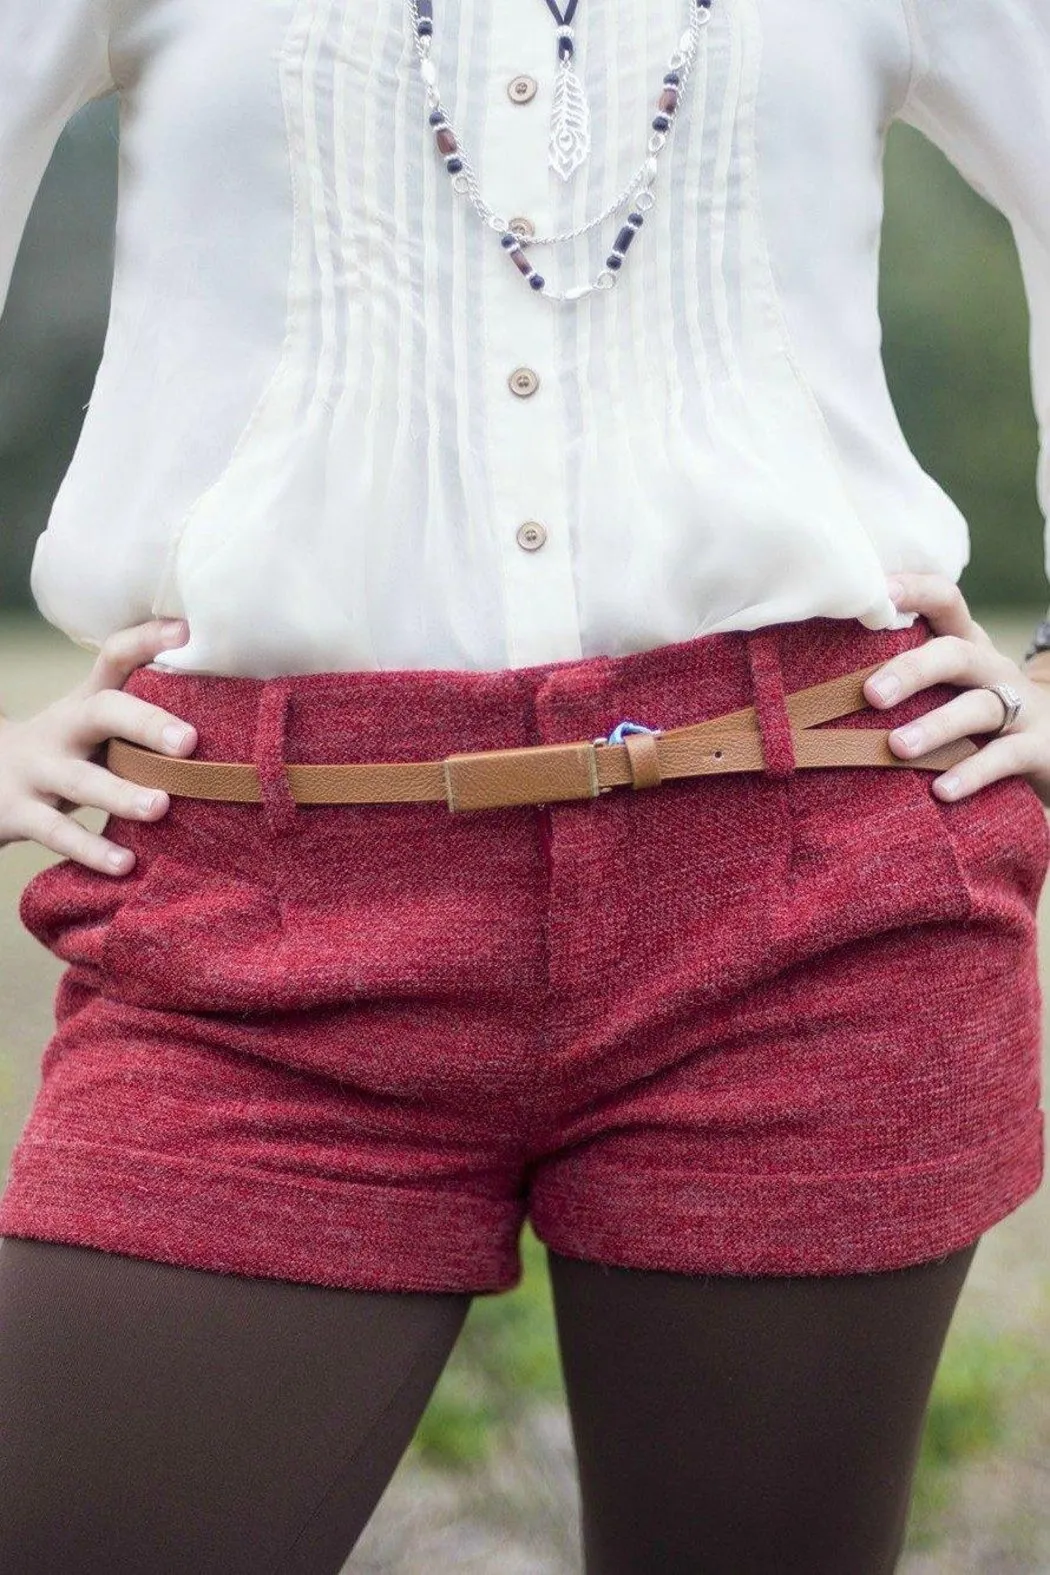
[(156, 1420), (749, 1426)]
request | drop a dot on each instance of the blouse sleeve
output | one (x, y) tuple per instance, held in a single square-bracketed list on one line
[(54, 58), (980, 90)]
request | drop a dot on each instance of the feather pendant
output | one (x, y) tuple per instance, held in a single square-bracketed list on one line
[(570, 136)]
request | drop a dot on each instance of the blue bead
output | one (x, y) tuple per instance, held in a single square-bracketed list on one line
[(436, 117), (636, 219), (672, 79), (509, 240), (612, 261), (660, 122), (425, 28), (537, 281), (453, 165)]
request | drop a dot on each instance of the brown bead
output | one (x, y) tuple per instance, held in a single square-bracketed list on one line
[(669, 100), (521, 262), (446, 140)]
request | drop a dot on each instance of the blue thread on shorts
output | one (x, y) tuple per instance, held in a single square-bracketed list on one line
[(617, 734)]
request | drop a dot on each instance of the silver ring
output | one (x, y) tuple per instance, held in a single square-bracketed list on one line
[(1012, 703)]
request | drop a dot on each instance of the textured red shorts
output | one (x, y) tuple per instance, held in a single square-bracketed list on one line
[(779, 1023)]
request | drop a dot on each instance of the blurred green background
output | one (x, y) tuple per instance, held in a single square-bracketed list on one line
[(488, 1484)]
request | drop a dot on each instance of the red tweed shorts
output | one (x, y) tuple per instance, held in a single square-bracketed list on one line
[(768, 1023)]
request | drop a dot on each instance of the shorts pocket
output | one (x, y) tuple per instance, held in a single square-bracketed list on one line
[(68, 908), (878, 847), (1001, 842), (191, 937), (871, 851)]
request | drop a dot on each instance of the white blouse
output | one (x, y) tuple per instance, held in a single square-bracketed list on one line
[(334, 427)]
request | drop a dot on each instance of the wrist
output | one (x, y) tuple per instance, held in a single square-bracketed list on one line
[(1038, 667)]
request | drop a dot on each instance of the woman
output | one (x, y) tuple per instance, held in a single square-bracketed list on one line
[(488, 379)]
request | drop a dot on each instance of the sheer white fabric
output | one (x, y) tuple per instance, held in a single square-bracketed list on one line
[(302, 437)]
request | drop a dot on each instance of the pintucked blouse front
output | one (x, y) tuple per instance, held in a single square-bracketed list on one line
[(334, 427)]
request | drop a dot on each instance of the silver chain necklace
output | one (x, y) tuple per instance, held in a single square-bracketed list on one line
[(638, 191)]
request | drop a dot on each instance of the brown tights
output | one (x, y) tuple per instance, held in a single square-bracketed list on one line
[(156, 1420)]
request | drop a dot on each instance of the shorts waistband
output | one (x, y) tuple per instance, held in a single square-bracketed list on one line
[(414, 713)]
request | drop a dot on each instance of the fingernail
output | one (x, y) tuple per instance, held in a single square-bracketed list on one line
[(117, 860), (887, 687), (174, 737), (174, 631), (949, 786), (911, 737), (145, 802), (895, 589)]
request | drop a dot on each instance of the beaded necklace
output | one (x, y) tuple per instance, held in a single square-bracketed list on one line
[(638, 192)]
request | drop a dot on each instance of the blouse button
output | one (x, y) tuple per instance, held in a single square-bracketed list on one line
[(523, 382), (522, 88), (522, 226), (531, 535)]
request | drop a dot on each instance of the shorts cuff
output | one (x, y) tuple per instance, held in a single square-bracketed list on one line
[(354, 1235), (788, 1224)]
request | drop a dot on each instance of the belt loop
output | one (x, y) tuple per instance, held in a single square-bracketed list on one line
[(279, 806), (767, 687)]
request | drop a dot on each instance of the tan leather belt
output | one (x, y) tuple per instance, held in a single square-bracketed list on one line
[(545, 773)]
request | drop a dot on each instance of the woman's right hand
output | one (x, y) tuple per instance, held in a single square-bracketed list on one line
[(50, 763)]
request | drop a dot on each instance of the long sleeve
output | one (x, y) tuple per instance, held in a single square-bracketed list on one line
[(980, 90), (54, 58)]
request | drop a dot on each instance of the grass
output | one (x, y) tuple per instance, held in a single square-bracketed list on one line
[(505, 1359)]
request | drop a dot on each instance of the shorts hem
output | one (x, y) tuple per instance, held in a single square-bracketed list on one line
[(354, 1236), (788, 1224)]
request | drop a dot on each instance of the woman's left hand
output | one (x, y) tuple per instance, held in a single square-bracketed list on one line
[(962, 654)]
